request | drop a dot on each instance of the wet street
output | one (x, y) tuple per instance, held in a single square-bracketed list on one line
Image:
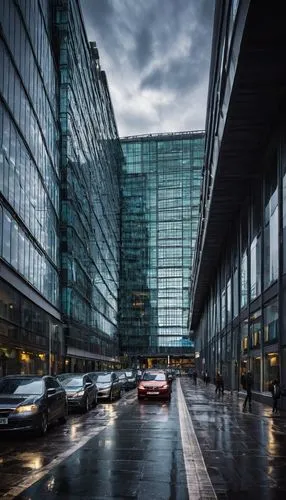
[(199, 446)]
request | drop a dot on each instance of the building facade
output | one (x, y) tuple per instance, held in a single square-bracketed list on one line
[(161, 185), (29, 188), (59, 193), (90, 165), (238, 295)]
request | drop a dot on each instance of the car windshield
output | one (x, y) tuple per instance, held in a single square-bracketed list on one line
[(121, 375), (154, 376), (21, 386), (129, 374), (105, 377), (72, 382)]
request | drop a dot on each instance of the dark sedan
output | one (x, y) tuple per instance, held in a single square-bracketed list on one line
[(81, 390), (108, 385), (31, 403)]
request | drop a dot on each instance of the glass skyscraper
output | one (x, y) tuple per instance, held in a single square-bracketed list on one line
[(29, 186), (59, 193), (90, 161), (161, 185)]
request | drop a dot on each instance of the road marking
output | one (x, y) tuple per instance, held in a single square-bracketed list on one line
[(34, 477), (198, 479)]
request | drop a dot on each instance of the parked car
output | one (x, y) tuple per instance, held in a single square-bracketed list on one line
[(131, 378), (81, 390), (123, 381), (108, 385), (31, 402), (154, 384)]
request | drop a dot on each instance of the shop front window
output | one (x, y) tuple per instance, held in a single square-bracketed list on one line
[(271, 369), (271, 322)]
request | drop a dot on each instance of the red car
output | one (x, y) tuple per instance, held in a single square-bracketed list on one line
[(154, 384)]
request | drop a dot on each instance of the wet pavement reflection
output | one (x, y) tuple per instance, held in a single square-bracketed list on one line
[(136, 454), (130, 449), (245, 452)]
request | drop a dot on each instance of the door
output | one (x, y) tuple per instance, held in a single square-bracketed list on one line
[(55, 398)]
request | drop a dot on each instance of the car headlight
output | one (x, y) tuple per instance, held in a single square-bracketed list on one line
[(165, 386), (78, 394), (27, 409)]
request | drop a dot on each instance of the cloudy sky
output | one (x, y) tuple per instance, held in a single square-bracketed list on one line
[(156, 54)]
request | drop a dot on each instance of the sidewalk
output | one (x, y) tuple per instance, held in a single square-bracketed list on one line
[(244, 452)]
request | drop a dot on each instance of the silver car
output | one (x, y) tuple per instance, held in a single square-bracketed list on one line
[(108, 385)]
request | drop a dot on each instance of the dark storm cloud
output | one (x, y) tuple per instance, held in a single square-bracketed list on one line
[(143, 51), (99, 12), (153, 50)]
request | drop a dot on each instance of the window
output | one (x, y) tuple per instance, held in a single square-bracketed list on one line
[(255, 327), (271, 322), (271, 226), (7, 222)]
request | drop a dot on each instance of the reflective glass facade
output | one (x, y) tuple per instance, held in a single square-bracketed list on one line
[(29, 156), (90, 165), (29, 189), (161, 186), (59, 192), (238, 312)]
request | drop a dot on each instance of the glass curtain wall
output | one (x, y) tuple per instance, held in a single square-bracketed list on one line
[(90, 164), (254, 268), (29, 155), (161, 185)]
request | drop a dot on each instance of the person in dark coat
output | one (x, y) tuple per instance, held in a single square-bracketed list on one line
[(276, 394), (247, 383)]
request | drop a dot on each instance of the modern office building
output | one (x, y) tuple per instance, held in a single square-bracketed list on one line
[(238, 295), (90, 159), (29, 189), (59, 193), (161, 186)]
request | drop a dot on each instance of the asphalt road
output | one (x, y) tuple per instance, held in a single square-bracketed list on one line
[(198, 446)]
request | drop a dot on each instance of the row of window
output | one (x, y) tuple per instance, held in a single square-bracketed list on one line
[(36, 135), (90, 295), (20, 252), (171, 234), (26, 39)]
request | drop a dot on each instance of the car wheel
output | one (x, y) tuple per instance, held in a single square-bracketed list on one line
[(42, 430), (63, 418)]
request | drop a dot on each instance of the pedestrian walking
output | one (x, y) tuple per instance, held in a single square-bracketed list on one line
[(247, 383), (195, 376), (219, 384), (206, 377), (276, 394)]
